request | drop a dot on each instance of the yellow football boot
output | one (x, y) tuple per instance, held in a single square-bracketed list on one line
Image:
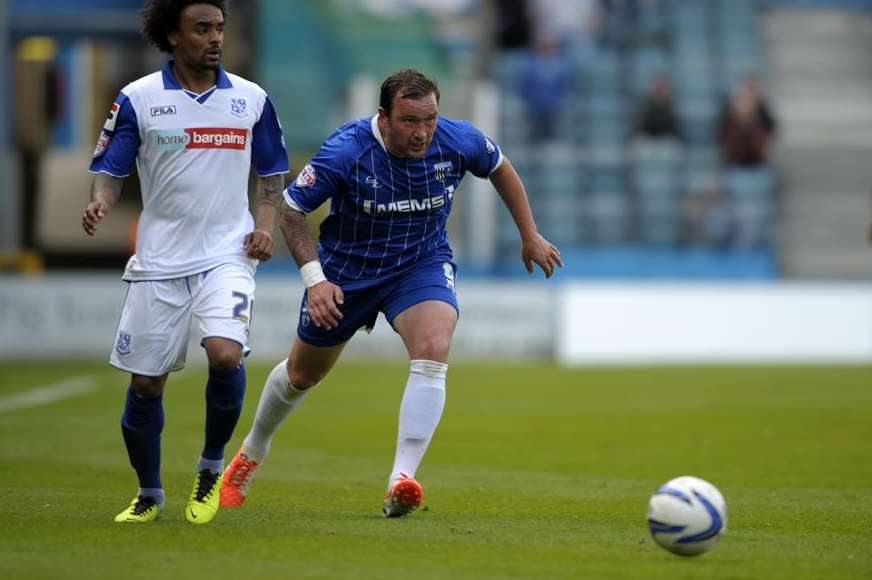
[(142, 509), (203, 502)]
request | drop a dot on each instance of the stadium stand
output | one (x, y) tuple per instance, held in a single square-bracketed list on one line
[(608, 196)]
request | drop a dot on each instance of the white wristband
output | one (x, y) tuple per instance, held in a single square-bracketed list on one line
[(312, 273)]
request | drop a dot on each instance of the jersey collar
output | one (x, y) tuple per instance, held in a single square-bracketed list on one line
[(172, 84), (376, 132)]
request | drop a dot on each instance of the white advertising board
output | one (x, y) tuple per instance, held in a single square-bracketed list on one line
[(714, 323), (75, 316)]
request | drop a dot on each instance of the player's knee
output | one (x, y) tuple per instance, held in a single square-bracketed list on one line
[(432, 346), (304, 379), (224, 362), (148, 387), (224, 357)]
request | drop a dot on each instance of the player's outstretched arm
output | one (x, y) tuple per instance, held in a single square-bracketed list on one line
[(259, 244), (105, 191), (534, 247), (324, 297)]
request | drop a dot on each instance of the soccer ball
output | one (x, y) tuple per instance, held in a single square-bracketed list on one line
[(687, 516)]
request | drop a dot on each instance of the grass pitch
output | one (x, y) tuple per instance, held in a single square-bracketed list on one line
[(535, 472)]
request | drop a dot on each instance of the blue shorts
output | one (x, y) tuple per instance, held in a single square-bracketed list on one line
[(391, 295)]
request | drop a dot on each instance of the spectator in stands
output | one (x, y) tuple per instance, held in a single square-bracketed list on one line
[(655, 115), (746, 127), (544, 85)]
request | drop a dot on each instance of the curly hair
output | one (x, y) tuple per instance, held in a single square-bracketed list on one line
[(408, 84), (160, 17)]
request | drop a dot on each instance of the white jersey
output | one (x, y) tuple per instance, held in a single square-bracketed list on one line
[(193, 154)]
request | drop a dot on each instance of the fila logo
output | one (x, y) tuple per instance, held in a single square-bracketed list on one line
[(201, 138), (163, 110)]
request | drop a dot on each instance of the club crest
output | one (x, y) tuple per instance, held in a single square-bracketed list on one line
[(442, 170), (304, 314), (238, 107), (123, 344)]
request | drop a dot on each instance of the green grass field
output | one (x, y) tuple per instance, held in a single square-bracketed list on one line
[(535, 472)]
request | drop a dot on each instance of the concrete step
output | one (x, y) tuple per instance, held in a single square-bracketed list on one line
[(822, 87), (805, 169), (826, 265)]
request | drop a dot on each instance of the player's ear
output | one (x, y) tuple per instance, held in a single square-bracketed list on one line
[(173, 38), (382, 114)]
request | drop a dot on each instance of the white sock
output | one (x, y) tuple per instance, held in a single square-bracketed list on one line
[(420, 412), (278, 399)]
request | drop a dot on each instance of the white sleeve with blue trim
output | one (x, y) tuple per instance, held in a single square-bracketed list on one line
[(119, 142), (268, 153)]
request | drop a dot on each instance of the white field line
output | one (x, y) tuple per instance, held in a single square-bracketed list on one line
[(48, 394)]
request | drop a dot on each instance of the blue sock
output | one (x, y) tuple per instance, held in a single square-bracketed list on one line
[(224, 394), (141, 425)]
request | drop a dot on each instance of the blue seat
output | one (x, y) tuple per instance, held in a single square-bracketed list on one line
[(757, 182), (608, 216), (752, 196)]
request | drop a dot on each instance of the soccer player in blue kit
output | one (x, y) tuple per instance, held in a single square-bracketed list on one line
[(383, 248), (194, 132)]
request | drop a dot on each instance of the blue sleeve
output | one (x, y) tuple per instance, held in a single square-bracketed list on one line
[(118, 143), (321, 178), (268, 153), (482, 156)]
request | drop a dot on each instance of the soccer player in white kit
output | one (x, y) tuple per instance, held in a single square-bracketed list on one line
[(194, 131), (384, 248)]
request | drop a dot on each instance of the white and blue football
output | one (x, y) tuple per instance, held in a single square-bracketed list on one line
[(687, 516)]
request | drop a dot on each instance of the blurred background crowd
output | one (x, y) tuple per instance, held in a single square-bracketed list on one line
[(688, 139)]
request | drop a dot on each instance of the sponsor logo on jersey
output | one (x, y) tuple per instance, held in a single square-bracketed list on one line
[(163, 110), (238, 107), (109, 125), (102, 144), (217, 138), (404, 205), (201, 138), (307, 177), (442, 170)]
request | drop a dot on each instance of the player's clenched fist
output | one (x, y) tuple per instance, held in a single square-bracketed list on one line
[(94, 213), (259, 245)]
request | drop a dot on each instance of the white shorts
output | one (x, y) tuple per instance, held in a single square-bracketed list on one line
[(155, 323)]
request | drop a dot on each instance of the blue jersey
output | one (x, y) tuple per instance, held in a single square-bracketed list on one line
[(387, 214)]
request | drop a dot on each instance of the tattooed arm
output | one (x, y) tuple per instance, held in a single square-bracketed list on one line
[(296, 232), (323, 297), (105, 191), (259, 244)]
